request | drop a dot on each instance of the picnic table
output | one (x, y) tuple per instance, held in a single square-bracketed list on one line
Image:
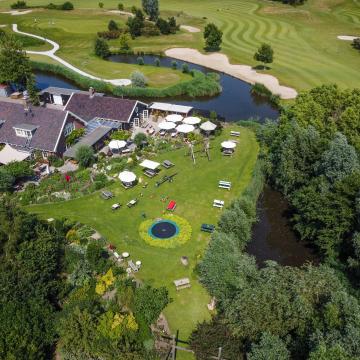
[(225, 185), (218, 203), (115, 206), (132, 203), (182, 283), (106, 194), (167, 164)]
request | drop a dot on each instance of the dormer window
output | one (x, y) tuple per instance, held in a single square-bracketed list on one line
[(25, 130)]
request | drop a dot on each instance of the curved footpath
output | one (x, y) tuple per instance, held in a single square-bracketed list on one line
[(56, 47), (220, 62)]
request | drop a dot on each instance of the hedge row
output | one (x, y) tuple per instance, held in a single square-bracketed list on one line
[(199, 85)]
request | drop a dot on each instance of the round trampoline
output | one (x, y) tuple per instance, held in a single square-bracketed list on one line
[(163, 229)]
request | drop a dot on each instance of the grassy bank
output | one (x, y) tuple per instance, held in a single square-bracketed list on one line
[(194, 189), (198, 85)]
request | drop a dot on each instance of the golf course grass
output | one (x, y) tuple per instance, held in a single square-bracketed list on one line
[(307, 52), (194, 188)]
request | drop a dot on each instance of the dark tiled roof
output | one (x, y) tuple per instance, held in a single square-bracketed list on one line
[(110, 108), (48, 125)]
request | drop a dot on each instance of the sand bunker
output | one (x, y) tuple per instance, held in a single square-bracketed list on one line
[(220, 62), (17, 12), (347, 37), (191, 29)]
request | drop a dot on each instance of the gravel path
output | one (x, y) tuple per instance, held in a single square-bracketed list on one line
[(56, 47)]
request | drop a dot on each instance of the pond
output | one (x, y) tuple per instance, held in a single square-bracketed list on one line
[(272, 236), (235, 102)]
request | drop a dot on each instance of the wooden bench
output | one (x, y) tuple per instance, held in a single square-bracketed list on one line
[(182, 283), (133, 267), (132, 203), (225, 185), (235, 133)]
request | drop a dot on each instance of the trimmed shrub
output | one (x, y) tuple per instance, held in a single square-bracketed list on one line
[(19, 5), (138, 79), (109, 35)]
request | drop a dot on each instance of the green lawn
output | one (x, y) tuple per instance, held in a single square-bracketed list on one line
[(194, 189), (307, 52)]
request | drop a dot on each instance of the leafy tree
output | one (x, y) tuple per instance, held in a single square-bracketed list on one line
[(102, 48), (149, 302), (96, 257), (67, 6), (14, 64), (101, 5), (6, 181), (157, 62), (163, 26), (208, 337), (32, 90), (139, 139), (340, 160), (138, 79), (113, 26), (270, 347), (121, 6), (84, 156), (213, 37), (135, 24), (151, 8), (264, 54), (124, 42), (140, 60), (174, 64), (19, 5), (18, 169)]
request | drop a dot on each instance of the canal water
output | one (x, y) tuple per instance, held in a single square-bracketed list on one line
[(273, 237), (235, 102)]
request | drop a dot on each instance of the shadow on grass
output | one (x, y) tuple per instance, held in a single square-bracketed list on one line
[(261, 67)]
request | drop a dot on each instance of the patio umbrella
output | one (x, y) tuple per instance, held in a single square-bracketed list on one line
[(208, 126), (185, 128), (127, 177), (117, 144), (192, 120), (228, 145), (174, 118), (165, 125)]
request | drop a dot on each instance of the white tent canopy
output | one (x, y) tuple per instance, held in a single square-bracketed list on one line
[(9, 154), (181, 109), (208, 126), (127, 176), (228, 145), (166, 125), (192, 120), (148, 164), (185, 128), (117, 144), (174, 118)]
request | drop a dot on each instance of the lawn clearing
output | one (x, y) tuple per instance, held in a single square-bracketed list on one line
[(194, 189)]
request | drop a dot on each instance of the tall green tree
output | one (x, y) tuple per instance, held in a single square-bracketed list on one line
[(151, 8), (102, 48), (213, 37), (14, 64), (264, 54)]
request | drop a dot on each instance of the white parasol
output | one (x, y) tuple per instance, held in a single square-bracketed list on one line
[(192, 120), (166, 125), (185, 128), (174, 118), (208, 126), (228, 145), (117, 144), (127, 176)]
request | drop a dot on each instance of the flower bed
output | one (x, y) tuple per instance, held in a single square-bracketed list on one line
[(183, 235)]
